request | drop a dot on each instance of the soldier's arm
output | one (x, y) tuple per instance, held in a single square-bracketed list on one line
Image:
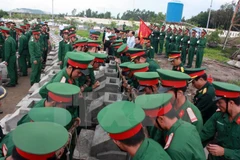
[(31, 49), (231, 153), (209, 129), (20, 48), (204, 103), (59, 51), (7, 51)]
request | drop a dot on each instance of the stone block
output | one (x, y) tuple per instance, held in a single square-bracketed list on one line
[(237, 64), (232, 62), (94, 109), (102, 142), (36, 94), (111, 72), (83, 147), (44, 80), (109, 98), (100, 76), (112, 85), (99, 91), (34, 87), (29, 103), (112, 64)]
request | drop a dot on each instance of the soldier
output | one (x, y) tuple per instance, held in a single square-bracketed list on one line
[(192, 48), (185, 42), (176, 84), (148, 82), (48, 114), (13, 31), (128, 135), (10, 57), (45, 39), (200, 49), (172, 44), (2, 39), (122, 50), (182, 140), (149, 49), (224, 125), (62, 46), (77, 66), (178, 39), (156, 38), (139, 56), (204, 94), (175, 59), (72, 39), (161, 39), (22, 51), (56, 137), (95, 35), (112, 38), (36, 57), (72, 29), (167, 44)]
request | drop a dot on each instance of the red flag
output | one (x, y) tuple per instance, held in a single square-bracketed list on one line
[(144, 31)]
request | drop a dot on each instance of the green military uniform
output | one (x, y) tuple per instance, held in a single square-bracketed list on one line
[(36, 55), (187, 111), (133, 115), (172, 44), (134, 68), (192, 49), (122, 53), (150, 52), (112, 38), (28, 34), (23, 53), (56, 137), (45, 38), (204, 96), (153, 65), (161, 41), (75, 60), (61, 49), (219, 126), (178, 41), (185, 42), (174, 55), (156, 38), (6, 146), (167, 44), (13, 34), (179, 68), (201, 44), (182, 140), (10, 58)]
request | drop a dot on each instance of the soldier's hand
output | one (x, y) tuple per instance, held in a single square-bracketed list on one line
[(215, 150), (35, 62), (117, 60), (6, 63), (96, 84), (59, 153), (60, 62), (78, 121)]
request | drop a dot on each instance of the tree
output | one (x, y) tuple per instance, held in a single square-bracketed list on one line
[(74, 11), (107, 15), (113, 24), (89, 13), (3, 13), (118, 16)]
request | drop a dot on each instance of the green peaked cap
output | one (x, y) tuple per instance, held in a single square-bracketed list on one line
[(99, 55), (4, 28), (194, 72), (125, 64), (117, 44), (40, 138), (226, 86), (64, 89), (96, 33), (80, 57), (50, 114), (146, 75), (172, 75), (138, 66), (94, 41), (120, 116), (134, 50), (118, 41), (80, 41), (122, 48), (153, 102)]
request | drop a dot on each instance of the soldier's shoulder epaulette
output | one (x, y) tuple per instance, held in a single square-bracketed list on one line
[(238, 121), (182, 69), (169, 140), (151, 47), (191, 115), (204, 91), (63, 80)]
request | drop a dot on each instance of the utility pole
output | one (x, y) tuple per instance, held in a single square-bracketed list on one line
[(52, 13), (209, 14), (233, 23)]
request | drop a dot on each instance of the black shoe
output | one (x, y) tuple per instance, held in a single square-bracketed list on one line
[(1, 112)]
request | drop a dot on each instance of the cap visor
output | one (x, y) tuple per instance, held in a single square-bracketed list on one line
[(85, 71), (164, 89), (141, 88), (170, 59), (216, 98)]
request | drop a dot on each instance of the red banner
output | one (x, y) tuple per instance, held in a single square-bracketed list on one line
[(144, 31)]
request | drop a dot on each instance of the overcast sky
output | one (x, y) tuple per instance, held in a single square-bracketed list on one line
[(191, 7)]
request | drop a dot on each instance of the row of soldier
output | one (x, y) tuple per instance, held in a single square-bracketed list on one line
[(178, 123), (18, 46), (177, 39)]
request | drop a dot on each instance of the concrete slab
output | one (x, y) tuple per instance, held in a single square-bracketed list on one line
[(111, 72), (237, 64), (94, 109), (112, 85), (110, 155), (109, 98), (112, 64)]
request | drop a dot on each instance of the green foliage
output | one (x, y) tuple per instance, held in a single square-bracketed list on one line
[(214, 36), (113, 24), (56, 32), (85, 33), (3, 13), (216, 54)]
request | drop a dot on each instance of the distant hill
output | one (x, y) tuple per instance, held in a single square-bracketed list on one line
[(27, 10)]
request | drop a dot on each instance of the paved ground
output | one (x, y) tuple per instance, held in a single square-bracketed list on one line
[(15, 94), (219, 71)]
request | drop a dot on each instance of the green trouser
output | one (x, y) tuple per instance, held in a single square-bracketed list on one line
[(36, 71), (191, 53), (161, 46), (156, 42), (28, 60), (44, 56), (23, 64), (177, 47), (1, 52), (184, 54), (167, 49), (199, 57), (172, 47), (12, 70), (62, 59)]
